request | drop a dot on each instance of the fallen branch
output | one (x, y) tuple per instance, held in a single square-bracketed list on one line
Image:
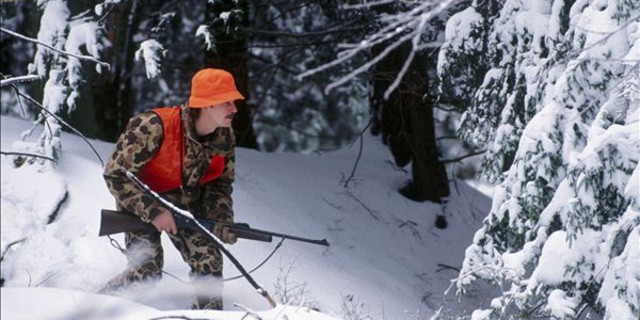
[(12, 153), (369, 210), (81, 57), (248, 311), (178, 317), (11, 245)]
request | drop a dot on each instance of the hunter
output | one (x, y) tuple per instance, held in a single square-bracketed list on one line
[(186, 154)]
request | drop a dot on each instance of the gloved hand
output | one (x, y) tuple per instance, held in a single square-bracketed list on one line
[(224, 234)]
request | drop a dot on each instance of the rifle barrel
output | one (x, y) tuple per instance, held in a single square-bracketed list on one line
[(322, 242)]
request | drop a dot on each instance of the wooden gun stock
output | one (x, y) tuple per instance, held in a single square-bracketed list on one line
[(112, 222)]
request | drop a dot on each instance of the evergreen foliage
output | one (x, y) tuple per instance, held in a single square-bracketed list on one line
[(557, 111), (66, 30)]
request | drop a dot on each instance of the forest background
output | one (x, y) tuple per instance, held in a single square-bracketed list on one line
[(544, 95)]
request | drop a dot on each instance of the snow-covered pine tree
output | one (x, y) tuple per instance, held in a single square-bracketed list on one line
[(558, 114), (62, 72)]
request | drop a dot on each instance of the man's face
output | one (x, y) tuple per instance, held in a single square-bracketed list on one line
[(219, 114)]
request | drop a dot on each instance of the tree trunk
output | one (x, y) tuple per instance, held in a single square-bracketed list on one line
[(231, 55), (112, 91), (406, 123)]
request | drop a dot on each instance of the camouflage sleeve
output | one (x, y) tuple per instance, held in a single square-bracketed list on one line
[(135, 148), (217, 203)]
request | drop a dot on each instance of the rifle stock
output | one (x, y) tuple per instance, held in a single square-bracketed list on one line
[(112, 222)]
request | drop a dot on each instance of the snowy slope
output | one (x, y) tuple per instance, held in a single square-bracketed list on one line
[(383, 262)]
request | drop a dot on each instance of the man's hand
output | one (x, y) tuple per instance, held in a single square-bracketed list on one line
[(164, 222)]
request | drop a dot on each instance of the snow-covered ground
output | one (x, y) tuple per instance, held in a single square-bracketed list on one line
[(386, 259)]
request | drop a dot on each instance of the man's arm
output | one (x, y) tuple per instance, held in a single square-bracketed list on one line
[(134, 149), (217, 203)]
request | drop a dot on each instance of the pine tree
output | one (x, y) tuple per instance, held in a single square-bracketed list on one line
[(66, 32), (557, 112)]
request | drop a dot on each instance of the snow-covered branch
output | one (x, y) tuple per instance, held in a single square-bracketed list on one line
[(401, 28), (8, 81), (40, 43)]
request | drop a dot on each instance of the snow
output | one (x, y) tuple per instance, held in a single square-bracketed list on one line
[(560, 305), (204, 33), (52, 31), (383, 262), (152, 53)]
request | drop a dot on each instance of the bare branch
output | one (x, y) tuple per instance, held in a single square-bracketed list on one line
[(12, 153), (272, 33), (178, 317), (603, 39), (81, 57), (414, 21), (355, 165), (248, 311), (60, 120), (371, 212), (366, 5), (463, 157), (11, 245)]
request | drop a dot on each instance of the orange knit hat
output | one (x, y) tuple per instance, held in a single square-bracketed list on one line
[(212, 86)]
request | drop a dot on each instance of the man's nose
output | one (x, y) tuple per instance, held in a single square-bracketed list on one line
[(233, 107)]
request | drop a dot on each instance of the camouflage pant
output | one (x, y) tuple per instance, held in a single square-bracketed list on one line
[(146, 258)]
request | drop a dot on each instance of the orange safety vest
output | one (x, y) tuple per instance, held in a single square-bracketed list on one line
[(164, 172)]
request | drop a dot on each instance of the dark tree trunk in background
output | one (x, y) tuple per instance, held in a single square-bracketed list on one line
[(405, 122), (113, 92), (231, 54)]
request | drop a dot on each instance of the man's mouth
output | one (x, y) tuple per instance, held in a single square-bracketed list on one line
[(230, 117)]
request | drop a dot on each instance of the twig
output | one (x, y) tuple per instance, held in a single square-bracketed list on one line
[(355, 165), (442, 266), (29, 77), (609, 35), (178, 317), (463, 157), (272, 33), (366, 5), (112, 7), (81, 57), (448, 138), (415, 20), (12, 153), (371, 212), (395, 167), (249, 312), (60, 120), (46, 278), (17, 97), (11, 245)]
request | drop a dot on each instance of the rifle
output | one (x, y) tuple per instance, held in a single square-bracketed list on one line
[(112, 222), (115, 222)]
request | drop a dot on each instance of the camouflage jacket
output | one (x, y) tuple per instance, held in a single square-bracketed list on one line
[(140, 142)]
